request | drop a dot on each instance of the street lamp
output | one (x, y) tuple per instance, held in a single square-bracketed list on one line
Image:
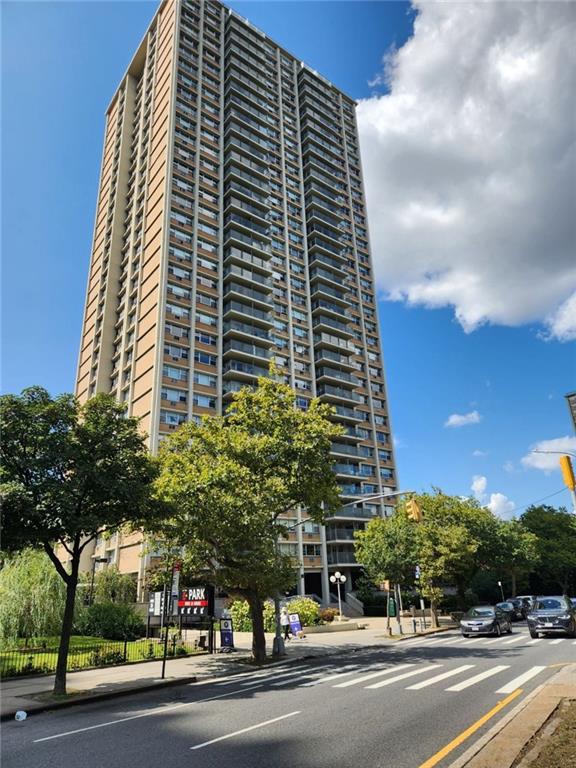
[(338, 578), (94, 561), (501, 590)]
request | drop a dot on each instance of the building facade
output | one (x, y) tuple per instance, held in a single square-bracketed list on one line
[(231, 231)]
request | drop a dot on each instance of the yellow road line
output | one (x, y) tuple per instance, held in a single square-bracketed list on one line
[(435, 759)]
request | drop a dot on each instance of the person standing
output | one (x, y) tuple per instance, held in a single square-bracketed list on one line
[(285, 623)]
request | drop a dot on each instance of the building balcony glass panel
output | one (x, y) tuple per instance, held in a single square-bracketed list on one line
[(330, 323), (328, 308), (346, 469), (341, 534), (344, 448), (249, 293), (247, 309), (234, 234), (234, 347), (334, 357), (348, 414), (240, 256), (260, 184), (237, 328), (327, 391), (329, 340), (239, 368), (335, 295), (248, 276)]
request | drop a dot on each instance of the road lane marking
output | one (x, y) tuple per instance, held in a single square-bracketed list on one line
[(310, 673), (343, 671), (158, 711), (478, 678), (513, 640), (379, 673), (435, 759), (246, 730), (533, 642), (556, 642), (474, 640), (438, 678), (403, 676), (520, 680), (258, 675), (291, 673)]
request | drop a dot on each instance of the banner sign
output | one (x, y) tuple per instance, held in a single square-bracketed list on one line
[(226, 633), (295, 624), (196, 602), (156, 604)]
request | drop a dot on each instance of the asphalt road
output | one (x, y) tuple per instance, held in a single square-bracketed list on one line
[(397, 705)]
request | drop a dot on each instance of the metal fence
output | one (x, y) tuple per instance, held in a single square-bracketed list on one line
[(42, 660)]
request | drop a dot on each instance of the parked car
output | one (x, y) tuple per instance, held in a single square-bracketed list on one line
[(508, 608), (518, 608), (485, 620), (573, 601), (527, 603), (552, 615)]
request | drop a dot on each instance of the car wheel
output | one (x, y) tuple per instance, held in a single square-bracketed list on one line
[(509, 630), (533, 634), (572, 630), (497, 630), (465, 635)]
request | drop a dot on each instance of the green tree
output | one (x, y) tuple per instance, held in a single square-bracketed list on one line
[(32, 597), (111, 586), (69, 472), (516, 550), (230, 480), (555, 530)]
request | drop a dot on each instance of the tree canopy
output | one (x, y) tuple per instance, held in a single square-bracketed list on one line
[(229, 481), (69, 472)]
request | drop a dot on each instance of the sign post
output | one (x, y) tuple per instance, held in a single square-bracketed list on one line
[(226, 635), (295, 624)]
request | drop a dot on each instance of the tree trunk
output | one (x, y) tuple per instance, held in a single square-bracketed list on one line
[(258, 636), (67, 621), (461, 592), (434, 613), (513, 574)]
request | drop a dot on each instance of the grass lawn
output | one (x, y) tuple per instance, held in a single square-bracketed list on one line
[(85, 652)]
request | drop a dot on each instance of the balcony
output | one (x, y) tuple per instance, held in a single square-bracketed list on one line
[(239, 329), (333, 293), (329, 392), (242, 310), (345, 450), (234, 348), (247, 276), (237, 368), (249, 293), (348, 413), (240, 237), (328, 323), (333, 357), (341, 377), (341, 534), (242, 257), (341, 557)]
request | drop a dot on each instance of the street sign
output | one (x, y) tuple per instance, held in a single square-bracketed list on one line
[(295, 623), (196, 603), (226, 633), (156, 604)]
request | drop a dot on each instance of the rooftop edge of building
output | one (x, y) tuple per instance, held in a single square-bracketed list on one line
[(137, 60)]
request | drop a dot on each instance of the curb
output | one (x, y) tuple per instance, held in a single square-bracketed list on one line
[(91, 699)]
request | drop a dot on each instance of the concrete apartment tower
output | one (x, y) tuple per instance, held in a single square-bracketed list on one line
[(231, 230)]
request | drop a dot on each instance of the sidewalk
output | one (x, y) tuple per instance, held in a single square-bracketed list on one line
[(502, 745), (27, 693)]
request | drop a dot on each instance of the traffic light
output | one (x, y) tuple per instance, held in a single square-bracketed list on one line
[(567, 472), (414, 511)]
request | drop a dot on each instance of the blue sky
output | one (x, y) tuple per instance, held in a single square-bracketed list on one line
[(62, 63)]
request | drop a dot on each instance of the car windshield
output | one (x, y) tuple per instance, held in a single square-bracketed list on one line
[(549, 604), (478, 613)]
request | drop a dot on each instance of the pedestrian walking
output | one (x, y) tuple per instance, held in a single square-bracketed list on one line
[(285, 623)]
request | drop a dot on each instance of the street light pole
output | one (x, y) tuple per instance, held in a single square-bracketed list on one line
[(338, 579), (501, 590)]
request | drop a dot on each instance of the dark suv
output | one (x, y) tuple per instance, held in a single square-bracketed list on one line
[(552, 615)]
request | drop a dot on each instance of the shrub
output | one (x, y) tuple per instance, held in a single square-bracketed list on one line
[(100, 658), (240, 613), (308, 610), (328, 614), (112, 621)]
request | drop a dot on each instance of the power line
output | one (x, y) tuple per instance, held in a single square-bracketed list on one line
[(531, 503)]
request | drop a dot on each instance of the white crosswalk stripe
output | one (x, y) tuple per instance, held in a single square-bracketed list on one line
[(310, 673), (471, 642), (403, 676), (347, 670), (262, 676), (520, 680), (516, 639), (440, 677), (478, 678), (558, 641), (379, 673), (494, 641), (533, 642)]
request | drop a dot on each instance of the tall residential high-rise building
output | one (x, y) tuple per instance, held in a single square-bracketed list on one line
[(231, 231)]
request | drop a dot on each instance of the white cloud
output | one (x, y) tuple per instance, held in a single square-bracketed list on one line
[(479, 454), (509, 467), (469, 165), (478, 487), (462, 419), (549, 462), (500, 505)]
